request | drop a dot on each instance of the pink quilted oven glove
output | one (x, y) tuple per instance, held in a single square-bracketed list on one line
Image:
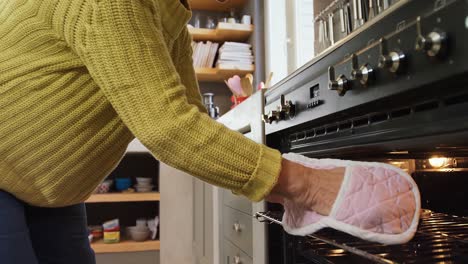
[(376, 202)]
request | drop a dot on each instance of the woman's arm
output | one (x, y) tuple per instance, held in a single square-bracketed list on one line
[(124, 50)]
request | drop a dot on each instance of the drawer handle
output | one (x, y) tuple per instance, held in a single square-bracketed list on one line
[(237, 227), (237, 260)]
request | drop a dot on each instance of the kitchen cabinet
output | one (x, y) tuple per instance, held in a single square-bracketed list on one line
[(235, 228), (191, 210), (127, 207)]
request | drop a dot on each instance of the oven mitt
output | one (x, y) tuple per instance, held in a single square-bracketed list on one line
[(376, 202)]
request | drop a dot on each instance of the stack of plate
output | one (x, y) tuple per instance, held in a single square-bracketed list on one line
[(144, 185)]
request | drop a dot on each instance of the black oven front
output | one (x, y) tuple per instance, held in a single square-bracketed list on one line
[(415, 117)]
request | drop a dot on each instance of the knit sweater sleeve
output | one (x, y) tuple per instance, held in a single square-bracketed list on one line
[(124, 49)]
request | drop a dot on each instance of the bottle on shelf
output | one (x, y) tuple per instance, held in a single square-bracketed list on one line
[(208, 101)]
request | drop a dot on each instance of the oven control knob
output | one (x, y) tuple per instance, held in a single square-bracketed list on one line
[(433, 44), (394, 61), (286, 109), (270, 117), (340, 84), (363, 74)]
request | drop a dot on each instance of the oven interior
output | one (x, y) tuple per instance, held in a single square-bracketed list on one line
[(442, 235)]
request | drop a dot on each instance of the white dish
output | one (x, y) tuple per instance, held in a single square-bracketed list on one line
[(144, 181), (144, 188), (137, 234)]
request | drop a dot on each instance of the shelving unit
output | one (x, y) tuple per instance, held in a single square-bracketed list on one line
[(127, 207), (223, 32), (124, 197), (125, 246), (219, 75), (213, 5)]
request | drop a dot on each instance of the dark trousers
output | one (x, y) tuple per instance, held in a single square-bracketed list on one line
[(35, 235)]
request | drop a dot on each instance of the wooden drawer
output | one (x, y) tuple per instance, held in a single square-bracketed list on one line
[(237, 228), (237, 202), (233, 255)]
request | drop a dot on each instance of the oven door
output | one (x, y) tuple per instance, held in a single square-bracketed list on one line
[(425, 137)]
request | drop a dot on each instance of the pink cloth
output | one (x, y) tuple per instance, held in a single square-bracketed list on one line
[(376, 202)]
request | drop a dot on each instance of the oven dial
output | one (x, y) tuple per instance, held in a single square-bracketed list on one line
[(433, 44), (394, 61), (270, 117), (286, 109), (340, 84), (363, 74)]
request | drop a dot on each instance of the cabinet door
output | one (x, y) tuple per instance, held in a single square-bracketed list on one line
[(245, 118), (233, 255), (176, 212), (202, 222)]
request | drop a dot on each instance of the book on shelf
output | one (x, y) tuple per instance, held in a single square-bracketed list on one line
[(235, 66), (235, 60), (204, 54), (235, 56), (237, 44)]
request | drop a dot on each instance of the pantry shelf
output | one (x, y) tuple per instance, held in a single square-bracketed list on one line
[(211, 5), (223, 32), (219, 75), (123, 197), (125, 246)]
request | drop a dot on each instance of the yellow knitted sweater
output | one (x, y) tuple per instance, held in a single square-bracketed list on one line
[(79, 79)]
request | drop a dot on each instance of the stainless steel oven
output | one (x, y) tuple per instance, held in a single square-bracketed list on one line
[(395, 90)]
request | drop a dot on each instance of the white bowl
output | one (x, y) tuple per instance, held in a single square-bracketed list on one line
[(144, 181), (138, 234), (144, 188)]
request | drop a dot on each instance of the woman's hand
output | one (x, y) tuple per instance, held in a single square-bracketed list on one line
[(313, 189)]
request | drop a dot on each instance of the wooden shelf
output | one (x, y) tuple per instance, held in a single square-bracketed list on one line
[(125, 246), (123, 197), (219, 75), (214, 5), (224, 32)]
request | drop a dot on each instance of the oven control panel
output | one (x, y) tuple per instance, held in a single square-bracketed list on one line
[(416, 50)]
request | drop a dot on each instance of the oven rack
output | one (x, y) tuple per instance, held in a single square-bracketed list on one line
[(440, 238)]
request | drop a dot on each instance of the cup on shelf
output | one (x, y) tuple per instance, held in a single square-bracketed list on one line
[(223, 20), (122, 184), (141, 224), (210, 23), (103, 187), (246, 19), (197, 21)]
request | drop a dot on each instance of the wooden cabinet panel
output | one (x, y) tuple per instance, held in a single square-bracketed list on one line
[(237, 202), (237, 228), (233, 255)]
